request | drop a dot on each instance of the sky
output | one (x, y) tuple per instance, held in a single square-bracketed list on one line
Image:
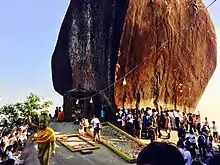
[(28, 34)]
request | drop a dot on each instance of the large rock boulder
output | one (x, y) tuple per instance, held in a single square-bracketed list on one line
[(86, 51), (177, 42)]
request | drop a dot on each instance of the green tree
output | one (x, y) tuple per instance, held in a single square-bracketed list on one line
[(10, 112), (31, 106)]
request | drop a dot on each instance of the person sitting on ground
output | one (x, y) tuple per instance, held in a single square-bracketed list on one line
[(9, 152), (5, 161), (157, 153), (5, 139), (2, 148)]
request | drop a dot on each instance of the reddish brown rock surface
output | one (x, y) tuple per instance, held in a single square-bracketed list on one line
[(178, 73)]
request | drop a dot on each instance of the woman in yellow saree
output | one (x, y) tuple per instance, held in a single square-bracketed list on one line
[(45, 138)]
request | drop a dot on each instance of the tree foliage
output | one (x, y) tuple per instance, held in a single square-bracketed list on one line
[(31, 106)]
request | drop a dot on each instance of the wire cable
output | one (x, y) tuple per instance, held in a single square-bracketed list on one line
[(137, 66)]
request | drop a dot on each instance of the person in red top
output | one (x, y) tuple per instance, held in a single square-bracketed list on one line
[(60, 116)]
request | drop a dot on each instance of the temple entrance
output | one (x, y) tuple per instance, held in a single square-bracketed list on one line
[(74, 111), (77, 110)]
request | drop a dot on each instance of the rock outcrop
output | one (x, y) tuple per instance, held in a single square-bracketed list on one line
[(174, 40), (87, 46), (176, 43)]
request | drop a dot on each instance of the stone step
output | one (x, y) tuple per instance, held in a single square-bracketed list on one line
[(86, 152)]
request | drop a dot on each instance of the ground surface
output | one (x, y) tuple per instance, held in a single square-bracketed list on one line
[(63, 156), (102, 156)]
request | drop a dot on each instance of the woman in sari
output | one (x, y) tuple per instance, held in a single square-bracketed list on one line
[(45, 138)]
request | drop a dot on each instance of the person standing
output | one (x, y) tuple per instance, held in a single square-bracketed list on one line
[(177, 119), (185, 121), (191, 121), (96, 128), (160, 121), (56, 113), (215, 131), (123, 122), (201, 145), (168, 125), (130, 122), (102, 115)]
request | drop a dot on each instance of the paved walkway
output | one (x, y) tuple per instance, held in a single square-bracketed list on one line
[(30, 154), (173, 139), (63, 156)]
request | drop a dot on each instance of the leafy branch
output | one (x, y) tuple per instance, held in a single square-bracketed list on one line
[(31, 106)]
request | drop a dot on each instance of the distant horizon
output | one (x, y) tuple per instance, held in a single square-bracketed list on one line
[(28, 39)]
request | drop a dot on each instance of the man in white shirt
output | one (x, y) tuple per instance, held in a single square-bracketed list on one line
[(5, 140), (172, 119), (96, 126), (130, 120), (150, 112)]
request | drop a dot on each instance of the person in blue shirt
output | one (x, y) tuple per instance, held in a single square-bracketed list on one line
[(146, 123), (102, 115)]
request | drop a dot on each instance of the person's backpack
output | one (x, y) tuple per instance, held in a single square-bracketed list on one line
[(201, 140)]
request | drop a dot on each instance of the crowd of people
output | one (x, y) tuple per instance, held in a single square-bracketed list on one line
[(13, 138), (196, 138), (163, 153)]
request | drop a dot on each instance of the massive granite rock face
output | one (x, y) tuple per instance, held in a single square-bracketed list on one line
[(86, 50), (177, 41)]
